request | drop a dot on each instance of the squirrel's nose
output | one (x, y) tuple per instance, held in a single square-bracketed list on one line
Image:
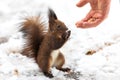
[(66, 28)]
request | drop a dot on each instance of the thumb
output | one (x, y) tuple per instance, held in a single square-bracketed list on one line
[(81, 3)]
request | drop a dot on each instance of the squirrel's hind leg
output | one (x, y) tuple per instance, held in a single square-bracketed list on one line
[(45, 65), (60, 62), (48, 74)]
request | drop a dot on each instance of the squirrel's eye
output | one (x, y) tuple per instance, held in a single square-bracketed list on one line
[(58, 27)]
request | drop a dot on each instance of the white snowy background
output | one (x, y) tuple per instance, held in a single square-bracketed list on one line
[(103, 40)]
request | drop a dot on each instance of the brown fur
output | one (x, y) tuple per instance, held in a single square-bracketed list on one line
[(34, 32), (44, 46)]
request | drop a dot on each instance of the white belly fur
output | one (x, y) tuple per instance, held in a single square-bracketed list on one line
[(54, 56)]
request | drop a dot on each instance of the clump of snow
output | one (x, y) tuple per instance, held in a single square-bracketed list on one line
[(104, 41)]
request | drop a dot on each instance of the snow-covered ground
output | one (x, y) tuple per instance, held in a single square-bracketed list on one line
[(103, 41)]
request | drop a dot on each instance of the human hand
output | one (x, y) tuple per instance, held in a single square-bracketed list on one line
[(99, 11)]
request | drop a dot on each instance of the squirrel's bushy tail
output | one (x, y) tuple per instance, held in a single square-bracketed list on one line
[(34, 31)]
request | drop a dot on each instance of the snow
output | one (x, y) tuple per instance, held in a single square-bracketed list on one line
[(103, 41)]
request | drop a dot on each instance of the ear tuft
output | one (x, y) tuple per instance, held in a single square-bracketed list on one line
[(52, 14)]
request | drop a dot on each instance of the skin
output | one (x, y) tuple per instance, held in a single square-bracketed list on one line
[(99, 11)]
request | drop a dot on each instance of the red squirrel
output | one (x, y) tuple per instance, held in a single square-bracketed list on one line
[(44, 45)]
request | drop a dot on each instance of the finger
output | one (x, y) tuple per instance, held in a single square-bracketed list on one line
[(89, 15), (89, 24), (93, 17), (81, 3), (79, 24)]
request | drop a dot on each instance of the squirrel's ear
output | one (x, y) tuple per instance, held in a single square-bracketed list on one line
[(52, 17)]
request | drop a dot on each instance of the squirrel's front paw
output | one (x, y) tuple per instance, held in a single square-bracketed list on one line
[(66, 35)]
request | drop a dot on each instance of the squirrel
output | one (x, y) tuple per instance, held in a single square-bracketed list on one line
[(44, 45)]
